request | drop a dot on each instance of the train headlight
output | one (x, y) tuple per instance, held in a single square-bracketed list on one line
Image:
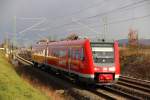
[(112, 69), (95, 68)]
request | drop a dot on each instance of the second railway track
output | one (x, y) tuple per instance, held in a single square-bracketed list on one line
[(137, 88)]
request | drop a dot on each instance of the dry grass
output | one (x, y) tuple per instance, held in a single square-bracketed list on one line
[(135, 62), (40, 81), (45, 89)]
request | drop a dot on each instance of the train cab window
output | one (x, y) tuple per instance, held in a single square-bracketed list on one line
[(103, 54)]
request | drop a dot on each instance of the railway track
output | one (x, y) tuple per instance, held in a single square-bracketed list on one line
[(125, 88), (132, 86)]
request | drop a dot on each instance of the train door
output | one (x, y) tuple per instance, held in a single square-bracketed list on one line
[(46, 53), (75, 59), (62, 55), (69, 59)]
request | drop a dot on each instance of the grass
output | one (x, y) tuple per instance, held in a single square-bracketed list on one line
[(12, 87)]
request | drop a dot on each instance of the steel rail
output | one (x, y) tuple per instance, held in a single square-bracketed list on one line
[(132, 91), (24, 61), (132, 85), (133, 78), (143, 83), (122, 93)]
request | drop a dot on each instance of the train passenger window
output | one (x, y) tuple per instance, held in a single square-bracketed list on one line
[(73, 54), (48, 52), (69, 52), (54, 53), (77, 54), (62, 53), (81, 54)]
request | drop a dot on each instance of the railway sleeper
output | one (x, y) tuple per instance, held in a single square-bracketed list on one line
[(132, 91), (145, 84), (139, 87), (122, 93)]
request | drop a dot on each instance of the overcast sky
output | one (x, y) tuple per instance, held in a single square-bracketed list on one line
[(36, 19)]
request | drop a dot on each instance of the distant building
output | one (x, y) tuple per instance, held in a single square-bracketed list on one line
[(133, 37)]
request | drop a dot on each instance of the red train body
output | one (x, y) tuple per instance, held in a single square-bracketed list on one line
[(92, 62)]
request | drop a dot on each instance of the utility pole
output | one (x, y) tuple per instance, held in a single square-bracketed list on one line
[(14, 28), (14, 36), (6, 42)]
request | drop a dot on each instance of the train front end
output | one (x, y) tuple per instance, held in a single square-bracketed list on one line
[(106, 62)]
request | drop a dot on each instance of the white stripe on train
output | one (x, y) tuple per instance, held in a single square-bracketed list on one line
[(78, 73)]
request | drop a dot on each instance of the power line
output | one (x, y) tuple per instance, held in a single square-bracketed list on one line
[(125, 20), (86, 26), (120, 8), (33, 26), (129, 19), (82, 10), (101, 14), (98, 5)]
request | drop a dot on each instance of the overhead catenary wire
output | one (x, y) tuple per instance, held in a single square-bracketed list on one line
[(98, 15), (115, 22), (126, 20), (81, 10), (56, 27), (101, 14), (34, 25), (120, 8)]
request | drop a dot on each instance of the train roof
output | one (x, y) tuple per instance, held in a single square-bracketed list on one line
[(69, 42), (102, 41), (75, 42)]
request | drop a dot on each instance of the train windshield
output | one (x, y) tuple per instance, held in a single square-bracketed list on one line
[(103, 54)]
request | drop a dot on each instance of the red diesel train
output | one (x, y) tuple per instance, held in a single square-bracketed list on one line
[(91, 62)]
